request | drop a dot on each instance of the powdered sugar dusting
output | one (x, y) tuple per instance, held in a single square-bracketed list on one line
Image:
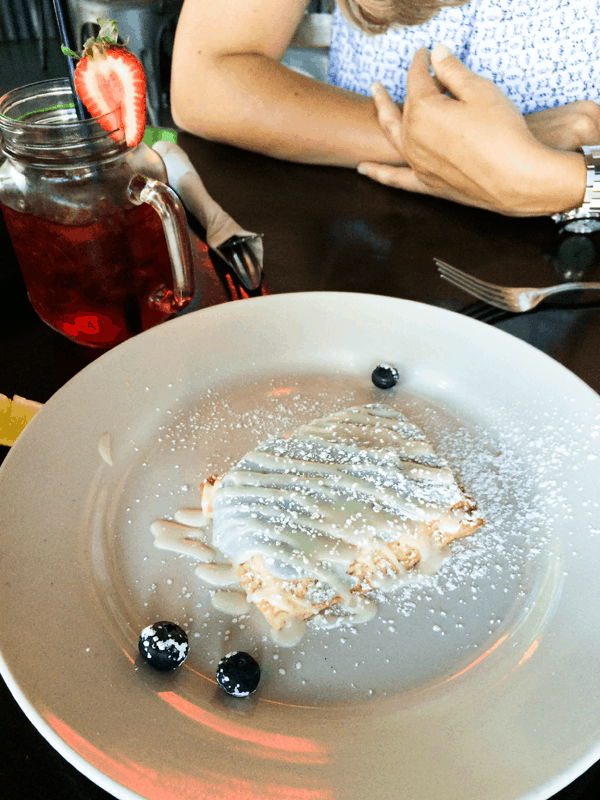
[(506, 575)]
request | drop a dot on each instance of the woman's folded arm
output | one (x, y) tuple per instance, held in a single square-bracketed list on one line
[(228, 85)]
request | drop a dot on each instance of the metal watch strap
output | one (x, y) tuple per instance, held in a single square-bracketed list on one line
[(586, 217)]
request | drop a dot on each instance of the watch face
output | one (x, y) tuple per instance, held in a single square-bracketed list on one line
[(589, 225)]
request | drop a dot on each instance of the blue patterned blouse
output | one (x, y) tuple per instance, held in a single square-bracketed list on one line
[(541, 53)]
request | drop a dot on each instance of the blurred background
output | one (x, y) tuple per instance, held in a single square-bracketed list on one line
[(30, 50)]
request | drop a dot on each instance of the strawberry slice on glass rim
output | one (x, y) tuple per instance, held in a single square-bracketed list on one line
[(111, 83)]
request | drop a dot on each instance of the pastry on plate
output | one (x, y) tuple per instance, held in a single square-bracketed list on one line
[(355, 502)]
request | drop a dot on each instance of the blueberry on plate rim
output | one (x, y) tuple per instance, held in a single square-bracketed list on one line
[(238, 674), (163, 645), (385, 376)]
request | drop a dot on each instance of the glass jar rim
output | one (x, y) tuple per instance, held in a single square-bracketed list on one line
[(39, 117), (54, 87)]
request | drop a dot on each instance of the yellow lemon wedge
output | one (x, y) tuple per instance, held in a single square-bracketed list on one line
[(14, 416)]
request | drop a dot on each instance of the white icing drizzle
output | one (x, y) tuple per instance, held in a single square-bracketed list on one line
[(293, 499), (318, 479), (291, 633), (192, 517), (233, 603), (377, 439), (362, 610), (335, 492), (359, 611), (105, 448), (218, 575), (180, 539)]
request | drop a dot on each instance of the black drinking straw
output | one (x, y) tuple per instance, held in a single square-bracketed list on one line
[(66, 38)]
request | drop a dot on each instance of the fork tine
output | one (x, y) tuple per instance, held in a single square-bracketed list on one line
[(472, 286), (489, 293), (471, 280), (481, 294)]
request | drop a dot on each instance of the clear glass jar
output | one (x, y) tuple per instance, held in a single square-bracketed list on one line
[(101, 240)]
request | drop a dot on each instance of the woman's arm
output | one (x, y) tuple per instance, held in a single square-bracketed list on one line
[(228, 85), (473, 147), (567, 127)]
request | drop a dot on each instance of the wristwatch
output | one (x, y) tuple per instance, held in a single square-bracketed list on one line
[(586, 217)]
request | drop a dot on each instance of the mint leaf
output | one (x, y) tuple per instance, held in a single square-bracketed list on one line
[(108, 30), (69, 52)]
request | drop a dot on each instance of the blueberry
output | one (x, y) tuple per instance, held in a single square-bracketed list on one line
[(238, 674), (384, 376), (163, 645)]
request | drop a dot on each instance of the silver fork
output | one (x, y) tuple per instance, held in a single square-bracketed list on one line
[(515, 299)]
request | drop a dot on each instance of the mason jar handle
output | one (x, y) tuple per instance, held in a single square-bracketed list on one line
[(164, 200)]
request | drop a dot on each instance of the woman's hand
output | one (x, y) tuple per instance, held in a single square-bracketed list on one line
[(471, 145), (567, 127)]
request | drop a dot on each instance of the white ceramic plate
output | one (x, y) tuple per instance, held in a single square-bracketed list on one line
[(482, 685)]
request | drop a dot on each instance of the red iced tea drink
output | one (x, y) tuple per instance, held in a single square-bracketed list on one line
[(102, 242), (98, 284)]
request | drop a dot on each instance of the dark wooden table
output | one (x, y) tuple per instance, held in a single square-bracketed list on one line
[(324, 229)]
